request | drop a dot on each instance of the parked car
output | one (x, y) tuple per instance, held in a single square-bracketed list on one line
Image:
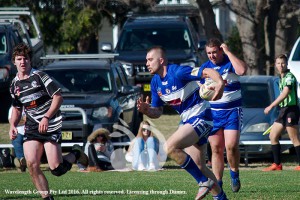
[(258, 92), (12, 32), (175, 32), (101, 89), (294, 62)]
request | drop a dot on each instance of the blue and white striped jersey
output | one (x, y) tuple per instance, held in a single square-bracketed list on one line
[(232, 97), (179, 89)]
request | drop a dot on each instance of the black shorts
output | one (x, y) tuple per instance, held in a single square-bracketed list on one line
[(288, 116), (49, 137)]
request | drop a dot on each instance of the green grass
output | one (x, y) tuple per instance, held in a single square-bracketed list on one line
[(4, 137), (282, 185), (256, 185)]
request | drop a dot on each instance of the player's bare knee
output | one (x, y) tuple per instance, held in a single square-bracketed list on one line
[(217, 150), (177, 155), (169, 148), (32, 165), (232, 149), (62, 168)]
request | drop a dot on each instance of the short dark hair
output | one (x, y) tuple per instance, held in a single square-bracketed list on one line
[(21, 50), (282, 56), (160, 48), (213, 42)]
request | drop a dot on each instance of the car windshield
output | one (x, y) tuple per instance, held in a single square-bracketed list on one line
[(3, 44), (82, 80), (255, 95), (142, 39)]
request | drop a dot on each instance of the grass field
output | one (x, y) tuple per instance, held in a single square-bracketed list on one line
[(165, 184), (170, 183)]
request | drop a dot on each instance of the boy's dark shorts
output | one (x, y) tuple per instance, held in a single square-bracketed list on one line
[(48, 137), (288, 116)]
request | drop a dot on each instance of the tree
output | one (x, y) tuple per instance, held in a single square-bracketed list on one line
[(267, 28), (72, 26), (208, 19)]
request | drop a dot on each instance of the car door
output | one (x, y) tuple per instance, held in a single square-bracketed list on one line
[(126, 96)]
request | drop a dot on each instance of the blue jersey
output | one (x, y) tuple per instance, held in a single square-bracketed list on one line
[(232, 97), (179, 89)]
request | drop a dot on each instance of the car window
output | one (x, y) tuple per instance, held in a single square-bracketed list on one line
[(17, 37), (3, 44), (117, 77), (255, 95), (12, 40), (121, 75), (142, 39), (87, 81)]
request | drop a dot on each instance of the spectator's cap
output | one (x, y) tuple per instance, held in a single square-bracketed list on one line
[(101, 131)]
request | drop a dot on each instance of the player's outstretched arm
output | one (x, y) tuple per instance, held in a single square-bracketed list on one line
[(145, 108), (285, 92)]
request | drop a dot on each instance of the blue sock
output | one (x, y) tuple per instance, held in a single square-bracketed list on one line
[(233, 174), (220, 183), (190, 166), (220, 196)]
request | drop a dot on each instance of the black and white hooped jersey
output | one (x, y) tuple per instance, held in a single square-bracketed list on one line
[(35, 94)]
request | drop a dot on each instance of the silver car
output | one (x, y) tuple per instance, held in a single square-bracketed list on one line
[(258, 92)]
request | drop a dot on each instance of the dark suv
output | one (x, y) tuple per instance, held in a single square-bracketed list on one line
[(13, 30), (101, 89), (173, 32), (9, 38)]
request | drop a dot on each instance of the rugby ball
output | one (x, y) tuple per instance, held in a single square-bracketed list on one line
[(205, 92)]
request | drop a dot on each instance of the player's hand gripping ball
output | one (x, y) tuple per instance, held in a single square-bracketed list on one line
[(207, 91)]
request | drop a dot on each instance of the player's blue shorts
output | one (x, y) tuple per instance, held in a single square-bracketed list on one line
[(202, 127), (227, 119)]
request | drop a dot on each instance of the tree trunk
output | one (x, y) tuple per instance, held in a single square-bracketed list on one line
[(250, 26), (269, 32), (286, 29), (208, 20)]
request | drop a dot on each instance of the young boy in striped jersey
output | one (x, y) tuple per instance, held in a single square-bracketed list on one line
[(41, 99)]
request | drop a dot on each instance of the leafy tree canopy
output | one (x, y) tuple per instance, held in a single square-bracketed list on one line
[(65, 23)]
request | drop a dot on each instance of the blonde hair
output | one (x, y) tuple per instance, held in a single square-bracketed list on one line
[(140, 131), (101, 131)]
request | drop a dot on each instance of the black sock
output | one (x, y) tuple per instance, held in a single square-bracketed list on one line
[(297, 149), (92, 154), (276, 153), (49, 198), (76, 153)]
